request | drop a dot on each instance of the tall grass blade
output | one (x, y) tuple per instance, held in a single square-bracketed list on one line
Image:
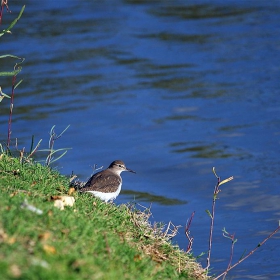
[(13, 22)]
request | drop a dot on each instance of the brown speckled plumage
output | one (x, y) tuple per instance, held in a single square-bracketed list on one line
[(107, 181), (104, 181)]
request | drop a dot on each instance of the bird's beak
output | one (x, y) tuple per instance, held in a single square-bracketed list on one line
[(127, 169)]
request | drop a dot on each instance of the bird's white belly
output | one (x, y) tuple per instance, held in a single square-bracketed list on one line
[(106, 196)]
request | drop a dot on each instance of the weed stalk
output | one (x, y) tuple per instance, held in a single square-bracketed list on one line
[(212, 214), (11, 112), (248, 255), (187, 233), (53, 138)]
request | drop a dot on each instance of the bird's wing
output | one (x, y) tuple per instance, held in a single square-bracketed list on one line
[(102, 183)]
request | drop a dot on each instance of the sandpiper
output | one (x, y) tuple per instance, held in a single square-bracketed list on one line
[(107, 184)]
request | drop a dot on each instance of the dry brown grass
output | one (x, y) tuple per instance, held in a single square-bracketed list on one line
[(157, 243)]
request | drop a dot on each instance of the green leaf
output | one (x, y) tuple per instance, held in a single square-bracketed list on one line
[(58, 157), (10, 55), (18, 83), (17, 68), (224, 231), (13, 73), (208, 212), (13, 22), (214, 171), (226, 180), (64, 130), (32, 151), (53, 151), (4, 95)]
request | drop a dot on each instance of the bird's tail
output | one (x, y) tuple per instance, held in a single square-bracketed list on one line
[(77, 185)]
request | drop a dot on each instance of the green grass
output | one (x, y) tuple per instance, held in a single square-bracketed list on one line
[(91, 240)]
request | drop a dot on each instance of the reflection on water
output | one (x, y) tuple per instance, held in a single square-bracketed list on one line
[(173, 88), (202, 11), (210, 151), (148, 197)]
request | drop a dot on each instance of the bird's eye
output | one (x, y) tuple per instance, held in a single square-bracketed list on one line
[(120, 165)]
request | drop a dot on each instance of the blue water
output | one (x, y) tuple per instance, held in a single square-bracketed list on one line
[(173, 88)]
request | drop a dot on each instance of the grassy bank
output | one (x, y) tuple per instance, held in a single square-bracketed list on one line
[(91, 240)]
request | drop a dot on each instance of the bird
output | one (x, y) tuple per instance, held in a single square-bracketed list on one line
[(106, 184)]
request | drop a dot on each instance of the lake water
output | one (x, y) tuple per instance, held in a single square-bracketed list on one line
[(172, 88)]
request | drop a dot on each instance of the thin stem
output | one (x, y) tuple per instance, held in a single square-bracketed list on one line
[(231, 254), (216, 191), (11, 112), (249, 254), (187, 233), (53, 138), (32, 152), (1, 12), (3, 3)]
